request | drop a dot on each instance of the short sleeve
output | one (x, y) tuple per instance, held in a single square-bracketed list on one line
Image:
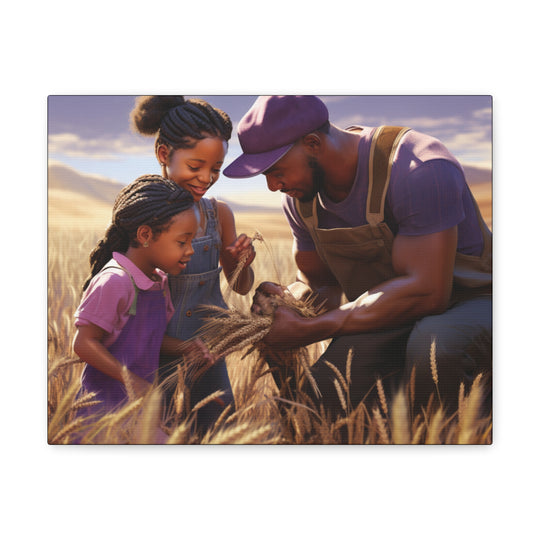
[(301, 235), (106, 301), (427, 200)]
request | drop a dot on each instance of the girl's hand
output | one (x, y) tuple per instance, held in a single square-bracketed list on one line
[(241, 248), (196, 349)]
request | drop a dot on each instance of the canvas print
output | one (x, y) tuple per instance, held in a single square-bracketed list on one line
[(270, 270)]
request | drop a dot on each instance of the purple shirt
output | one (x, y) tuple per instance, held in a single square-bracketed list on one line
[(109, 296), (427, 193)]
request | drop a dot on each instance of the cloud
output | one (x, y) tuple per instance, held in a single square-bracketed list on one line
[(483, 114), (73, 145), (468, 137), (416, 122)]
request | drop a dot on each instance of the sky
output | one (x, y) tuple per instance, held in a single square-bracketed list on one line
[(91, 133)]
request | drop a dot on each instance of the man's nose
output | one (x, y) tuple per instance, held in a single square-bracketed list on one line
[(274, 185)]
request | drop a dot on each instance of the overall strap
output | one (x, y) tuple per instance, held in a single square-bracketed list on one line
[(210, 207), (133, 307), (381, 156)]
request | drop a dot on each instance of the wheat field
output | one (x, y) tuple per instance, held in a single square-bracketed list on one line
[(258, 418)]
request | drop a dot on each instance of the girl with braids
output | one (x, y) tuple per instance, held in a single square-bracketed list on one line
[(123, 314), (191, 140)]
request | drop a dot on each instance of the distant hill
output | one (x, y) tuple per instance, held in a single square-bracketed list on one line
[(104, 190), (65, 178), (78, 198), (476, 175)]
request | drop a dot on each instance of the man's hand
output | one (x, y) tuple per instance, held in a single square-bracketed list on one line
[(265, 298)]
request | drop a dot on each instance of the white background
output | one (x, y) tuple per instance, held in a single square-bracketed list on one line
[(259, 492)]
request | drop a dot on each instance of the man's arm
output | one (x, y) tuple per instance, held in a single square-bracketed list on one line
[(314, 276), (424, 268)]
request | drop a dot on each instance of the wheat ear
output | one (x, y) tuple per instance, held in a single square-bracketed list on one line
[(232, 281), (382, 396), (433, 364), (379, 422), (400, 419), (66, 430), (349, 365), (207, 400), (126, 379), (340, 395)]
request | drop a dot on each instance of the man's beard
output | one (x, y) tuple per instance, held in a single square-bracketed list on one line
[(318, 176)]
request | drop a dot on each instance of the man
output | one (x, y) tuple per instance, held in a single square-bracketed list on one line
[(385, 217)]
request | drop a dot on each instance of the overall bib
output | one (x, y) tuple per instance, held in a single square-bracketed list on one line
[(137, 347), (196, 286), (361, 258)]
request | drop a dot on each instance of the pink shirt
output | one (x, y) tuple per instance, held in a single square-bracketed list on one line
[(109, 296)]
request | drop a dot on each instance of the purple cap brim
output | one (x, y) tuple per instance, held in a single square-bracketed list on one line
[(248, 165)]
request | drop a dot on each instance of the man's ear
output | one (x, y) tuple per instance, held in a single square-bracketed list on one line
[(313, 143), (144, 235)]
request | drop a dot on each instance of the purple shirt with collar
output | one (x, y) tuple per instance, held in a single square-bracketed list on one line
[(109, 296), (427, 193)]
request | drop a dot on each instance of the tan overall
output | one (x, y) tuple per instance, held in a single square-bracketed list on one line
[(361, 257)]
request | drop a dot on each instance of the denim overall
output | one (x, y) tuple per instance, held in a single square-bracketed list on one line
[(137, 347), (196, 286)]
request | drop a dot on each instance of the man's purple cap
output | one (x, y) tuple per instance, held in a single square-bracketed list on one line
[(271, 127)]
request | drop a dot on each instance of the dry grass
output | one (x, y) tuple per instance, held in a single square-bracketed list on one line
[(258, 418)]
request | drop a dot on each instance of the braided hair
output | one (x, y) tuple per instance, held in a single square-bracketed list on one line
[(177, 122), (149, 200)]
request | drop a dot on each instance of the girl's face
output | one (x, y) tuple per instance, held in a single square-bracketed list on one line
[(171, 250), (197, 168)]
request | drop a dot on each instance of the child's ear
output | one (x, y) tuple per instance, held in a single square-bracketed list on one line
[(144, 235), (163, 154)]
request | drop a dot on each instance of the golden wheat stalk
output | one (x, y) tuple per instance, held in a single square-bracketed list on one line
[(219, 422), (113, 419), (381, 427), (63, 363), (461, 402), (208, 399), (470, 412), (433, 361), (418, 434), (230, 435), (400, 419), (148, 426), (303, 357), (382, 396), (349, 365), (233, 278), (338, 374), (340, 395), (86, 401), (433, 364), (67, 429), (126, 379), (257, 436), (181, 434), (230, 330), (434, 427)]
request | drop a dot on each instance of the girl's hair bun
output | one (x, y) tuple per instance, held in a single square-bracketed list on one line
[(149, 111)]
